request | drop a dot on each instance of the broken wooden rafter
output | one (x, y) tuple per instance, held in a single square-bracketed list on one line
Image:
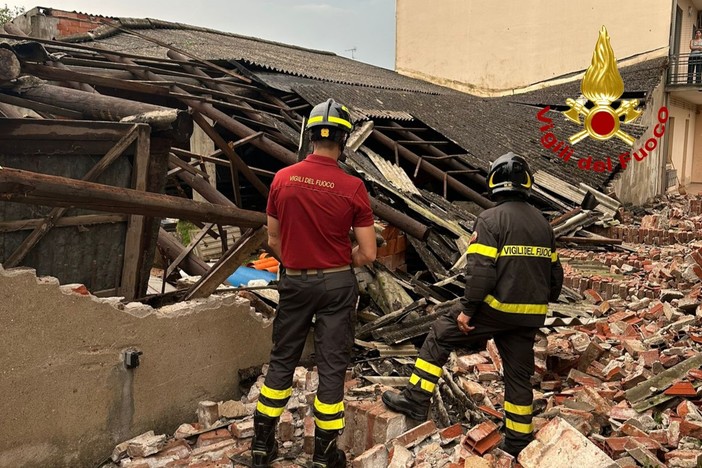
[(265, 144), (171, 47), (230, 261), (186, 251), (436, 152), (171, 249), (100, 107), (234, 158), (50, 221), (41, 189), (181, 165), (433, 171), (39, 107), (82, 220), (64, 73)]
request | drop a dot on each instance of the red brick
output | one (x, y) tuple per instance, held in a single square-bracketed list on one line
[(416, 434), (242, 429), (482, 438), (212, 437), (558, 444), (684, 458), (683, 389), (309, 427), (286, 427), (451, 433), (691, 429), (375, 457)]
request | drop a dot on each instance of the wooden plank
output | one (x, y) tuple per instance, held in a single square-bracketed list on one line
[(38, 234), (229, 262), (133, 251), (83, 220)]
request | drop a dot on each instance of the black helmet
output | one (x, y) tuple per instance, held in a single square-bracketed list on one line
[(510, 173), (329, 120)]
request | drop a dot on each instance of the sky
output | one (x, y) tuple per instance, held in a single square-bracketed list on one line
[(333, 25)]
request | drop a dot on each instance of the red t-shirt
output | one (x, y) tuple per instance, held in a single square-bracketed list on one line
[(316, 204)]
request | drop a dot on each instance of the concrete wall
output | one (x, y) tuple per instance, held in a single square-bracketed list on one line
[(495, 47), (643, 180), (67, 399)]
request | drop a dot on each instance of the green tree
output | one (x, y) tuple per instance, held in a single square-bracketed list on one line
[(8, 13)]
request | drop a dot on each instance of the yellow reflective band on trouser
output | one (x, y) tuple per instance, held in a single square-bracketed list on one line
[(519, 427), (428, 367), (482, 249), (275, 394), (269, 410), (333, 425), (535, 309), (320, 118), (554, 257), (326, 408), (518, 409), (525, 251), (423, 383)]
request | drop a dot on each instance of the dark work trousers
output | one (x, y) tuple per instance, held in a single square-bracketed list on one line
[(516, 347), (331, 299), (694, 68)]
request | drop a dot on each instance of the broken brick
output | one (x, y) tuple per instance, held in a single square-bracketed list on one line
[(558, 444), (375, 457)]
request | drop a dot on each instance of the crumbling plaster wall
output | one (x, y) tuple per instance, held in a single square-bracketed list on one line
[(643, 180), (67, 398)]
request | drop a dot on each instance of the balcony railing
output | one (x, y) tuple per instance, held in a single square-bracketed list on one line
[(685, 69)]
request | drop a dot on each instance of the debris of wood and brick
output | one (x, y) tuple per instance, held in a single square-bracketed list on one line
[(617, 377)]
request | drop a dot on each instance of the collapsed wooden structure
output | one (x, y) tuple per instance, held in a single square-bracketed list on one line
[(421, 181)]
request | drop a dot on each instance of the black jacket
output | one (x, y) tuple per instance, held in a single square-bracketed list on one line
[(513, 269)]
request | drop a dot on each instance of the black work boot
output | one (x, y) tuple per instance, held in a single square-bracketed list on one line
[(512, 450), (326, 453), (264, 448), (400, 403)]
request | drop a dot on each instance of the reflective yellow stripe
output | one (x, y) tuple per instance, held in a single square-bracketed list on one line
[(275, 394), (424, 384), (519, 427), (320, 118), (517, 409), (554, 257), (332, 425), (269, 410), (482, 249), (325, 408), (428, 367), (516, 308), (525, 251)]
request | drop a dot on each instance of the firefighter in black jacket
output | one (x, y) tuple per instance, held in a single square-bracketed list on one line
[(513, 272)]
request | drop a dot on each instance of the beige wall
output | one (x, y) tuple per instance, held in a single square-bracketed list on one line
[(697, 150), (643, 180), (682, 150), (485, 47), (66, 396)]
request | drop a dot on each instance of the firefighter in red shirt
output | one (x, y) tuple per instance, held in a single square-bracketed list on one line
[(312, 206), (513, 272)]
